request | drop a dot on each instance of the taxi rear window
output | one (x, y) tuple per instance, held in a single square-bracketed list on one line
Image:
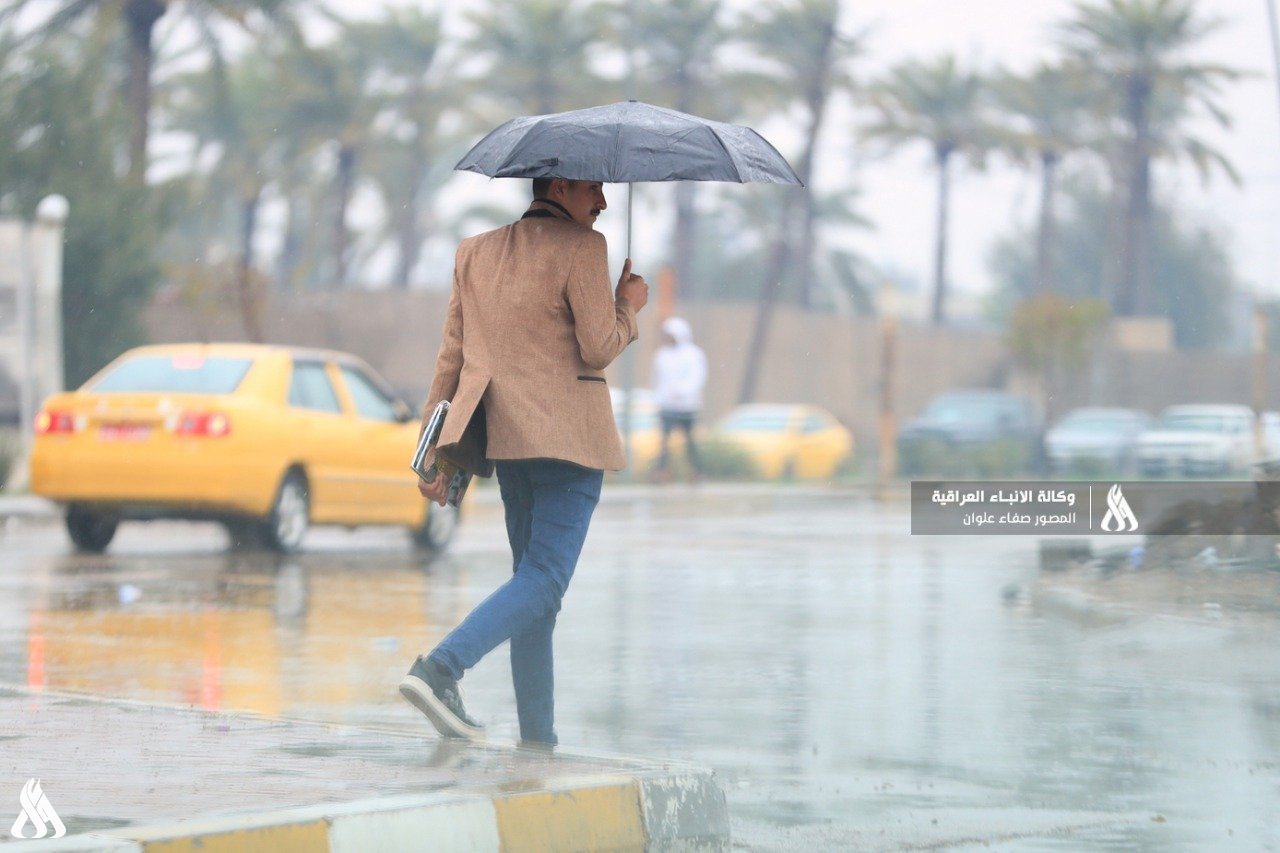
[(181, 374)]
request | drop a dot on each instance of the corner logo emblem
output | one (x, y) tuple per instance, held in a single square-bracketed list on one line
[(1119, 516), (37, 811)]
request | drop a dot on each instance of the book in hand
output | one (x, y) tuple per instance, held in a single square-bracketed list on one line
[(428, 462)]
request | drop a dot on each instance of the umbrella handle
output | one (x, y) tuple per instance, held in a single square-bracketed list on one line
[(628, 254)]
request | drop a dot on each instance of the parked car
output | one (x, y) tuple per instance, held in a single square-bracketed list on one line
[(1199, 440), (784, 440), (969, 420), (1105, 436), (265, 439)]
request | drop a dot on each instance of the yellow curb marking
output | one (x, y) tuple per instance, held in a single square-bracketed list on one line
[(290, 838), (604, 818)]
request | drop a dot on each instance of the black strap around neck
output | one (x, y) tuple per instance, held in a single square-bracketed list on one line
[(543, 214)]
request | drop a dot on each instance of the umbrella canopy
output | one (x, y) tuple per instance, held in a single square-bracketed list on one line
[(626, 142)]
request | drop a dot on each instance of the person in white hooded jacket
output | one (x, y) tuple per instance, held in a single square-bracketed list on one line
[(679, 376)]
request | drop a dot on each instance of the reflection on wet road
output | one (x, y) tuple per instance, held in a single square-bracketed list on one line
[(854, 686)]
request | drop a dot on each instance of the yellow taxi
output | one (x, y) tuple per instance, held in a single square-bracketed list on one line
[(804, 442), (265, 439)]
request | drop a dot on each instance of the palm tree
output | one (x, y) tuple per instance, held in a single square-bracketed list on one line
[(334, 103), (807, 59), (536, 55), (235, 112), (676, 54), (1137, 50), (1047, 117), (139, 18), (806, 55), (939, 103), (416, 89)]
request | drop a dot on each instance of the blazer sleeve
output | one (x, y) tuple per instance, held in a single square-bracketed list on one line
[(449, 360), (602, 326)]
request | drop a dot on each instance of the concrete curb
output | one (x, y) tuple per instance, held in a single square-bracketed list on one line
[(27, 507), (685, 810)]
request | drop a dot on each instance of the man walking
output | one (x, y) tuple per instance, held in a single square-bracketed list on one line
[(531, 326), (679, 376)]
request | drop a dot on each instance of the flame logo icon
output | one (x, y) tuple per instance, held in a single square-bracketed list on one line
[(1118, 512), (38, 811)]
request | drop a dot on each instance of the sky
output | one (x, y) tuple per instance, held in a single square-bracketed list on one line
[(899, 189)]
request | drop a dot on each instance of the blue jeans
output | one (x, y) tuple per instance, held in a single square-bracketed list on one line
[(548, 507)]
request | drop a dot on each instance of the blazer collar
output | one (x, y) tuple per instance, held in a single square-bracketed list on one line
[(541, 207)]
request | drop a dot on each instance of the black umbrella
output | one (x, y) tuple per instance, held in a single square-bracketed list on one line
[(627, 142)]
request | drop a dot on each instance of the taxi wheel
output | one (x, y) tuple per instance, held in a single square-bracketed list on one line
[(437, 529), (290, 515), (90, 530)]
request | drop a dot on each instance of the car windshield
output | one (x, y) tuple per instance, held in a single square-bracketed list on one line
[(757, 422), (1184, 422), (954, 410), (1096, 422), (179, 374)]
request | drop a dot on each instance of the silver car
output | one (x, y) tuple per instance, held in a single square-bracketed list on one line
[(1199, 440), (1096, 436)]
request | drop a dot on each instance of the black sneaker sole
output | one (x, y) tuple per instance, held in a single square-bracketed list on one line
[(419, 695)]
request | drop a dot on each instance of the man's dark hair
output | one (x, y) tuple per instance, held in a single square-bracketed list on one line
[(541, 186)]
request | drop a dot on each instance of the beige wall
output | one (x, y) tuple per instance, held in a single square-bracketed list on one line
[(831, 361)]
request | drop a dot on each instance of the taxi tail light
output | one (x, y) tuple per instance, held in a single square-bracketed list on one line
[(54, 421), (203, 424)]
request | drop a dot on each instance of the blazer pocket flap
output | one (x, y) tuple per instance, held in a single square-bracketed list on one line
[(462, 408)]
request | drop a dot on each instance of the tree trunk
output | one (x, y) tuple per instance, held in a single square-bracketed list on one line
[(1135, 264), (1140, 211), (408, 229), (817, 97), (768, 301), (939, 314), (287, 264), (683, 241), (808, 215), (140, 21), (244, 269), (1046, 234), (345, 180)]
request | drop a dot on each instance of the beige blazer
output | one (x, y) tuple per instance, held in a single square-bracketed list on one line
[(531, 326)]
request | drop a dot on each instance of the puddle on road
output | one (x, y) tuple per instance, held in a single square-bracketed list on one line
[(854, 686)]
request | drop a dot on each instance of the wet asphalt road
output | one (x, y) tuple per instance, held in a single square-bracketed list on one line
[(855, 687)]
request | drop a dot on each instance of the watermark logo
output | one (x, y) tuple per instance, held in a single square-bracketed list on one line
[(1119, 515), (37, 811)]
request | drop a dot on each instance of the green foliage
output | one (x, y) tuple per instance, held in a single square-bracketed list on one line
[(721, 460), (65, 123), (1049, 330), (398, 95), (1192, 267), (724, 460)]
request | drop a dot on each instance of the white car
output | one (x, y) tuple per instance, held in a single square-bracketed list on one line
[(1202, 439), (1106, 436)]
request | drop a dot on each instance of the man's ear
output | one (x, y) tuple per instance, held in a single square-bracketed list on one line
[(557, 188)]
